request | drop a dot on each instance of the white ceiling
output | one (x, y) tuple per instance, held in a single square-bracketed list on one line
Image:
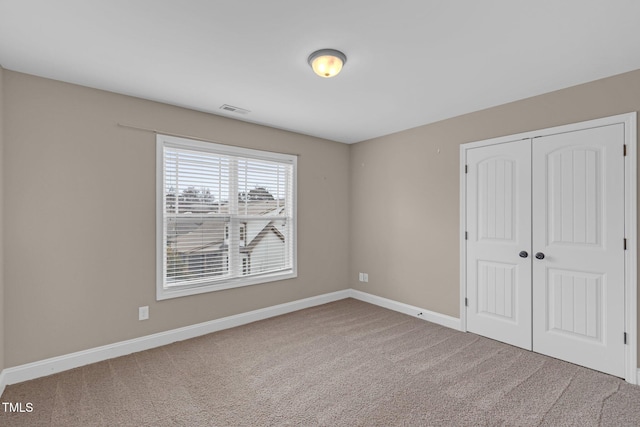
[(410, 62)]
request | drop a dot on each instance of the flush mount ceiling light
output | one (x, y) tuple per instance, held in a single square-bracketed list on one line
[(327, 62)]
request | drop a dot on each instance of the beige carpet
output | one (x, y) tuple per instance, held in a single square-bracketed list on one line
[(344, 363)]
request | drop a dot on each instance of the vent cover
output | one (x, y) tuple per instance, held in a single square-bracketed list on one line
[(232, 109)]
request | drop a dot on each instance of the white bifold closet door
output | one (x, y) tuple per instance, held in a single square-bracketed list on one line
[(545, 248), (499, 229), (578, 224)]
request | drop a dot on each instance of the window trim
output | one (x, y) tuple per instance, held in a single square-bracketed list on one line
[(162, 292)]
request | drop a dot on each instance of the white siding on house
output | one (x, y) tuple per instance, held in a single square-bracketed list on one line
[(270, 250)]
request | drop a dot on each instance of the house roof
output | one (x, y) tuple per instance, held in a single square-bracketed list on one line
[(206, 237), (200, 233), (269, 228)]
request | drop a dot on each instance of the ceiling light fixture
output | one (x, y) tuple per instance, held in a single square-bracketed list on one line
[(327, 62)]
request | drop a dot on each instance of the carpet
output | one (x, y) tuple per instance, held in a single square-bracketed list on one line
[(347, 363)]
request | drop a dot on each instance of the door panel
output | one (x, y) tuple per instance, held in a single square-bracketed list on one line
[(499, 228), (575, 302), (578, 224), (496, 290), (573, 178)]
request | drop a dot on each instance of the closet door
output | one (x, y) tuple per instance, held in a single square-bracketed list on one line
[(578, 247), (498, 201)]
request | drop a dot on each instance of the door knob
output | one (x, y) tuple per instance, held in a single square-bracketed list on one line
[(523, 254), (539, 255)]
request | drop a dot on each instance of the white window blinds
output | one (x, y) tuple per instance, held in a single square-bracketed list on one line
[(226, 216)]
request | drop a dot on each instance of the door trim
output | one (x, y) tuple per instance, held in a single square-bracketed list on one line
[(631, 232)]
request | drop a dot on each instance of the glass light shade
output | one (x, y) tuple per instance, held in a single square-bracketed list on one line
[(327, 62)]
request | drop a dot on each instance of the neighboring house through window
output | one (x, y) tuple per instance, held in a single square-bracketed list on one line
[(226, 217)]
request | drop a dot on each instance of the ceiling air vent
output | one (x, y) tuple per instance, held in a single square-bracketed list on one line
[(232, 109)]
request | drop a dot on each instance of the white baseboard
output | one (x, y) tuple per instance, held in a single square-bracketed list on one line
[(54, 365), (3, 382), (430, 316), (65, 362)]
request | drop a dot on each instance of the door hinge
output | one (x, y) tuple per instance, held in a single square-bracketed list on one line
[(466, 302), (625, 337), (625, 244), (466, 168), (466, 236), (624, 149)]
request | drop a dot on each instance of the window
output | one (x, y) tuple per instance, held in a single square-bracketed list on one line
[(226, 217), (243, 233)]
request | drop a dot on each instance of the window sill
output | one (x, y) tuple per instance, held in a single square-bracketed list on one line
[(163, 293)]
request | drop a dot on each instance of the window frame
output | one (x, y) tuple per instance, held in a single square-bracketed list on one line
[(162, 291)]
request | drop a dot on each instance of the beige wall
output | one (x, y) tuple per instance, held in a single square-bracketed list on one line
[(80, 218), (404, 213), (1, 223), (79, 209)]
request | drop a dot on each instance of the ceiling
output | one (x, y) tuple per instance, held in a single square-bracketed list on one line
[(410, 62)]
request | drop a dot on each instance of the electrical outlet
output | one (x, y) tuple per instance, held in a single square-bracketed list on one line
[(143, 312), (361, 277), (365, 277)]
